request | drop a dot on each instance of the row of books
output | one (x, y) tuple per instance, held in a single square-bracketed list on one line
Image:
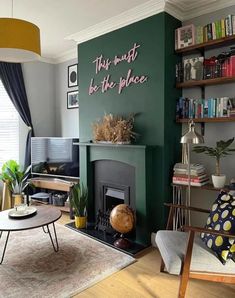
[(205, 108), (190, 34), (198, 175), (199, 68), (215, 30)]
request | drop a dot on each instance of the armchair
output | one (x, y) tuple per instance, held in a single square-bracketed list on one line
[(183, 253)]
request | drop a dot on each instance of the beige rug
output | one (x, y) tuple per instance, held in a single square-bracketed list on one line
[(32, 269)]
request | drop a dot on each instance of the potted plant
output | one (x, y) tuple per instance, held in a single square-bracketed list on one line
[(78, 200), (16, 179), (220, 150)]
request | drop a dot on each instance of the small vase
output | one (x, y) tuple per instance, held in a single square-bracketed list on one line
[(80, 222), (218, 181), (18, 199)]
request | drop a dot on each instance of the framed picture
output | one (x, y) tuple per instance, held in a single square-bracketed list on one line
[(72, 75), (72, 99), (185, 36)]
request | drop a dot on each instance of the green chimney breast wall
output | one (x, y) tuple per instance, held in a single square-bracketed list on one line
[(153, 101)]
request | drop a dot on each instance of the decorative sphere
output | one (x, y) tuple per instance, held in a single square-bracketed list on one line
[(122, 218)]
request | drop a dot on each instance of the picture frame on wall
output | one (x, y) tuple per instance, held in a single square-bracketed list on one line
[(72, 100), (72, 75)]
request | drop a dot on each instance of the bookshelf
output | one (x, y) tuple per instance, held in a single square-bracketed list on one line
[(208, 186), (225, 41), (202, 47), (207, 120), (207, 82)]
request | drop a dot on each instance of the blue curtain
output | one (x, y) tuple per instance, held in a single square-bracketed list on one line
[(12, 78)]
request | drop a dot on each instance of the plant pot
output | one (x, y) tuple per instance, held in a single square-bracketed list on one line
[(80, 222), (218, 181), (6, 198), (18, 199)]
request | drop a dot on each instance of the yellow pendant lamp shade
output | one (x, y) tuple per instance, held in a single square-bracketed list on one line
[(19, 40)]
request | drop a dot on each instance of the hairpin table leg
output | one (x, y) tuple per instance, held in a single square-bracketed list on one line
[(55, 242), (5, 246)]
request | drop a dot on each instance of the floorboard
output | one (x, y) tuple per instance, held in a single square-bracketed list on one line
[(144, 280)]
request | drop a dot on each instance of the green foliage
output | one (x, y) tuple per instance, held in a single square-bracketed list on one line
[(220, 150), (78, 199), (15, 178)]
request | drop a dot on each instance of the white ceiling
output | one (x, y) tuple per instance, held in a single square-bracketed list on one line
[(64, 23)]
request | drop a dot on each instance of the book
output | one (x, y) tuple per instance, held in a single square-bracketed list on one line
[(199, 176), (199, 35), (222, 21), (209, 32), (193, 166), (192, 183), (196, 180)]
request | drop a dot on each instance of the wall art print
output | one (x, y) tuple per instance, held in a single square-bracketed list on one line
[(73, 75), (72, 100)]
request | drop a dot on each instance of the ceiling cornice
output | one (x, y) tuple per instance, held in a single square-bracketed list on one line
[(195, 8), (128, 17), (180, 9)]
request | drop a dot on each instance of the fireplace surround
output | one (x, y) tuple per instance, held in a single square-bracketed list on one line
[(120, 171)]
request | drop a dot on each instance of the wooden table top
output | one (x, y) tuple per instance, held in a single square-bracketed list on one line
[(44, 216)]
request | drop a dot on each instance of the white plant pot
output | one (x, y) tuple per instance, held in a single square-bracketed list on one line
[(218, 181)]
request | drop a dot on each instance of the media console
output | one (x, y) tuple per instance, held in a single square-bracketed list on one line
[(55, 184)]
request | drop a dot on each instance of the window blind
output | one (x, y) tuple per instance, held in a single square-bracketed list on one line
[(9, 128)]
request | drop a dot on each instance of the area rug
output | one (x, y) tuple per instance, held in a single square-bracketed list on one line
[(32, 269)]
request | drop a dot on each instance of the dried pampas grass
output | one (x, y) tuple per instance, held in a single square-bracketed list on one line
[(114, 129)]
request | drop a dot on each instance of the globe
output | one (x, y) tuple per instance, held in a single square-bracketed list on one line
[(122, 218)]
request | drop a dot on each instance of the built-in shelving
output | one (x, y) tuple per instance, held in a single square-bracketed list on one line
[(207, 120), (208, 82), (225, 41), (208, 186)]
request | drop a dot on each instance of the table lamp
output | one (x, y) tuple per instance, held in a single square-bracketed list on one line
[(190, 137)]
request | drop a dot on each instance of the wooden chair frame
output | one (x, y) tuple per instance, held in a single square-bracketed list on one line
[(185, 269)]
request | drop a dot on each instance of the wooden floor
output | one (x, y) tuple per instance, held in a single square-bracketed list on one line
[(143, 280)]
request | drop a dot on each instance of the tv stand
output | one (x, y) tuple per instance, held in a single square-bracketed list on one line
[(55, 184)]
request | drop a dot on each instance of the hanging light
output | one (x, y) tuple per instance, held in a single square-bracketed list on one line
[(19, 40)]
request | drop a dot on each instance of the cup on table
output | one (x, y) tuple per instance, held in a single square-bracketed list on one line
[(20, 208)]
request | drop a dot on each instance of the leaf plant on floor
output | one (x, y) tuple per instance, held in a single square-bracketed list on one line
[(220, 150), (78, 199), (16, 179)]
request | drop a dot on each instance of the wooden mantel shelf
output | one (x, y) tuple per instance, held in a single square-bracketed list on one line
[(91, 144)]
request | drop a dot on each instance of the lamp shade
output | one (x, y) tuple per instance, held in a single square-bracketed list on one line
[(19, 40), (191, 136)]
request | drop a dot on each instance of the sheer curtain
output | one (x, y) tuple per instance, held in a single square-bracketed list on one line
[(12, 78)]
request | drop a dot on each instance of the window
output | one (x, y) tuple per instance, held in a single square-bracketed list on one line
[(9, 128)]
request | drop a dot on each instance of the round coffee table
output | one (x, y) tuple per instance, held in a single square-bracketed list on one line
[(43, 218)]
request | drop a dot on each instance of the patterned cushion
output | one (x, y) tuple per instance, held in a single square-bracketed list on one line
[(221, 218)]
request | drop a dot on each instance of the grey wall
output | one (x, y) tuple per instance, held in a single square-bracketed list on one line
[(40, 88), (66, 120), (47, 86), (213, 131)]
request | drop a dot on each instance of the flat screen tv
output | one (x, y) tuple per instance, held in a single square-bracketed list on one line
[(55, 157)]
